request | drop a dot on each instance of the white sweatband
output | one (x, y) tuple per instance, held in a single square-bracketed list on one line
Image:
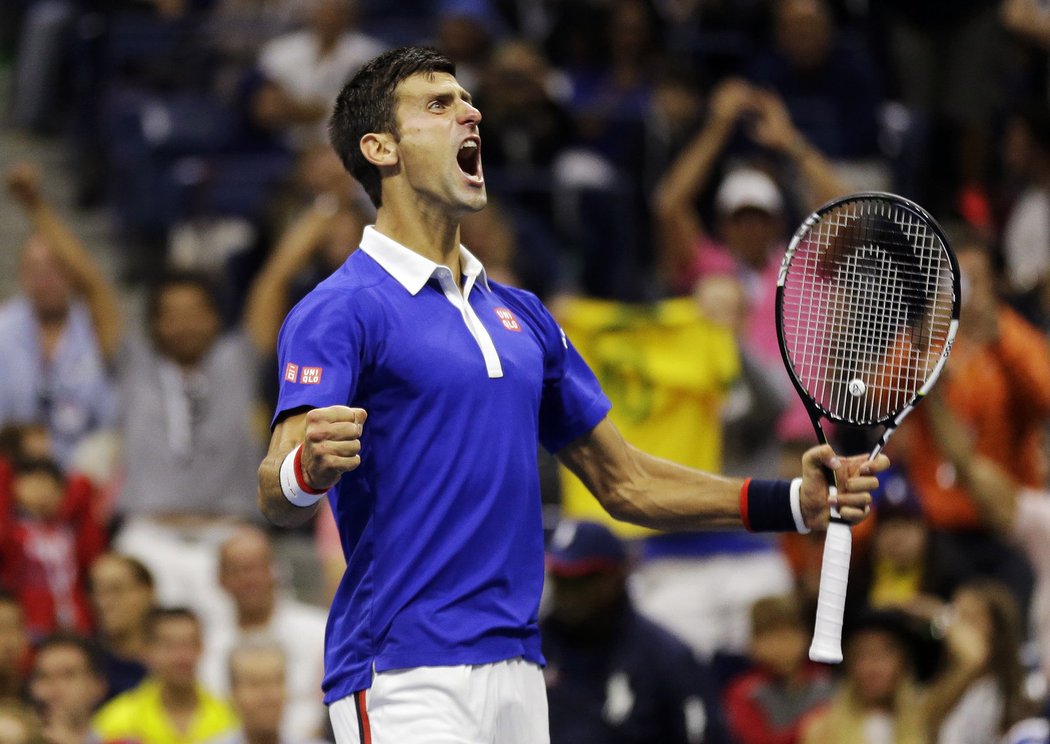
[(293, 485), (796, 506)]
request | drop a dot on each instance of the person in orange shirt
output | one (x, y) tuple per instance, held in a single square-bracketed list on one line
[(997, 383)]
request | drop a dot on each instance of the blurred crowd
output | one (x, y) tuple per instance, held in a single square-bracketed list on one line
[(646, 162)]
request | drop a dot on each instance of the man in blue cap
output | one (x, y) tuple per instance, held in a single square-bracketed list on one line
[(613, 675)]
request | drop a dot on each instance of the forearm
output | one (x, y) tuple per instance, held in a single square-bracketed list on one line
[(648, 491), (273, 504), (821, 182), (101, 297), (945, 693), (674, 199), (267, 300)]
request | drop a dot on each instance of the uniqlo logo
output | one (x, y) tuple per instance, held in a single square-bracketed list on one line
[(291, 372), (507, 318), (311, 376)]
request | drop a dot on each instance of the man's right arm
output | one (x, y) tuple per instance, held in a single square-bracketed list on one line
[(331, 445)]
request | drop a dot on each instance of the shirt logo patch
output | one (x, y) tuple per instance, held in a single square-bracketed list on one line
[(291, 372), (507, 318), (311, 376)]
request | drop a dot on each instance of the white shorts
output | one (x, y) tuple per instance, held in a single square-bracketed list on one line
[(500, 703)]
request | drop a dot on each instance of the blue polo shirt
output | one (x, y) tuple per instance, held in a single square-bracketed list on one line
[(441, 523)]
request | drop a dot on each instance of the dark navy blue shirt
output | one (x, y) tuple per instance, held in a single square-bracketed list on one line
[(440, 524)]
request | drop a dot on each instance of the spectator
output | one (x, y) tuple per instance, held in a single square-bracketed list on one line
[(190, 450), (879, 699), (66, 684), (314, 246), (946, 59), (613, 676), (522, 100), (170, 707), (610, 101), (750, 231), (258, 693), (303, 72), (248, 574), (122, 596), (904, 567), (1026, 156), (999, 389), (14, 648), (1013, 511), (466, 31), (61, 333), (768, 704), (829, 86), (994, 700), (45, 550)]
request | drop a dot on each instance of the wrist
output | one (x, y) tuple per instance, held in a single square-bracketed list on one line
[(772, 506), (294, 484)]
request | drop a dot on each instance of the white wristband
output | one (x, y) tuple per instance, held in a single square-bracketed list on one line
[(290, 483), (796, 506)]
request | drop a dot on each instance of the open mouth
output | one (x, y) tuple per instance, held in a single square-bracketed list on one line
[(469, 158)]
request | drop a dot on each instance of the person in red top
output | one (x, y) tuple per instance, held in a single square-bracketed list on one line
[(47, 540), (769, 703), (997, 383)]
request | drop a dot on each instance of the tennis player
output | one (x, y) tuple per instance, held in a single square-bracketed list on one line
[(414, 391)]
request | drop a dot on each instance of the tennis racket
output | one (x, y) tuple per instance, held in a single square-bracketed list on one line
[(867, 311)]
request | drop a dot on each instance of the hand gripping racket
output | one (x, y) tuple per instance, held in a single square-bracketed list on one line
[(867, 310)]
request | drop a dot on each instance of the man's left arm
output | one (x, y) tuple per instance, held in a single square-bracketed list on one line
[(636, 487)]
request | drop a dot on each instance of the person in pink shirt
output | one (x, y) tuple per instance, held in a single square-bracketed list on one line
[(748, 237)]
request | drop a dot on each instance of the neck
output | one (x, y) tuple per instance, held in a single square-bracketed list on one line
[(261, 737), (130, 644), (431, 233), (178, 697), (254, 617)]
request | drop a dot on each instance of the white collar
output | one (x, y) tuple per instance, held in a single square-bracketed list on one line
[(409, 268)]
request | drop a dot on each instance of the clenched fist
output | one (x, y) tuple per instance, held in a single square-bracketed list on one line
[(332, 445)]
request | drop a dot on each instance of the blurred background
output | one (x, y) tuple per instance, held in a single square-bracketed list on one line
[(170, 193)]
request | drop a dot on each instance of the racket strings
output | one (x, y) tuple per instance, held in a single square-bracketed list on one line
[(866, 309)]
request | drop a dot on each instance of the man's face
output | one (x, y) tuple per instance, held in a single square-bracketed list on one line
[(876, 664), (247, 573), (257, 689), (45, 281), (440, 147), (63, 684), (175, 650), (121, 601), (750, 233), (186, 324)]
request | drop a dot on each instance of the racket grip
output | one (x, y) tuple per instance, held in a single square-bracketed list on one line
[(831, 601)]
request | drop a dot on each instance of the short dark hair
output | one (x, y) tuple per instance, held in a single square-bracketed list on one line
[(200, 280), (366, 104), (139, 571), (29, 465), (159, 615), (65, 639)]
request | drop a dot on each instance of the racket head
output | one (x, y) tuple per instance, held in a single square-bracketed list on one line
[(867, 308)]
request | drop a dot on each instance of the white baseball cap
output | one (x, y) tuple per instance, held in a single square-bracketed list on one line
[(748, 187)]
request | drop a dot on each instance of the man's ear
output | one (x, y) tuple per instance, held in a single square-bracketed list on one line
[(379, 149)]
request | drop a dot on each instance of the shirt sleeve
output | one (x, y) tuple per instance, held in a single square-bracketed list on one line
[(573, 402), (318, 355)]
